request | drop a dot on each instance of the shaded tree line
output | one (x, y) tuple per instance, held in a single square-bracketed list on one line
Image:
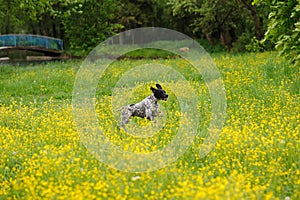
[(237, 25)]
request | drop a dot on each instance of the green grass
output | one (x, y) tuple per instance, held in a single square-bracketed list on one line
[(37, 82), (149, 54), (256, 156), (55, 79)]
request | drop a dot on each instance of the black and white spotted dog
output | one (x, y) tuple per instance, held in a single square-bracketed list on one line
[(146, 108)]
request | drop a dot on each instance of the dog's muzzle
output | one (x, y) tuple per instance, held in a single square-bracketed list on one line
[(165, 98)]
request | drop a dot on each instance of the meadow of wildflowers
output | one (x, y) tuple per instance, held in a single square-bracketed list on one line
[(255, 157)]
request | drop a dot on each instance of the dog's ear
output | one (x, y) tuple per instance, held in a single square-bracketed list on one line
[(153, 89), (158, 86)]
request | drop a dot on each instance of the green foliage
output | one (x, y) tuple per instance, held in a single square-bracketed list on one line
[(133, 14), (254, 46), (87, 24), (233, 23), (82, 24), (238, 25), (284, 27), (10, 16), (216, 48), (243, 41)]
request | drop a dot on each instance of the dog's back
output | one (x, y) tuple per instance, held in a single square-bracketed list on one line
[(140, 109)]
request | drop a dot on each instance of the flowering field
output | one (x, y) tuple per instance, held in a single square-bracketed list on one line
[(255, 157)]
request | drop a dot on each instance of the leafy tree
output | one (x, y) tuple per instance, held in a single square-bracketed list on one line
[(143, 13), (221, 19), (256, 18), (284, 27), (82, 24), (134, 14), (11, 18), (87, 23)]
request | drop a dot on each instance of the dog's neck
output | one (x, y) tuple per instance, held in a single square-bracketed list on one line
[(153, 98)]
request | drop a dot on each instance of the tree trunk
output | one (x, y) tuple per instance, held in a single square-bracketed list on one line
[(225, 37), (54, 29), (61, 31), (7, 18), (258, 27), (209, 38), (225, 40), (256, 19)]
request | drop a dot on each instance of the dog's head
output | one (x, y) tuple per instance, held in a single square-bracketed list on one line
[(159, 93)]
